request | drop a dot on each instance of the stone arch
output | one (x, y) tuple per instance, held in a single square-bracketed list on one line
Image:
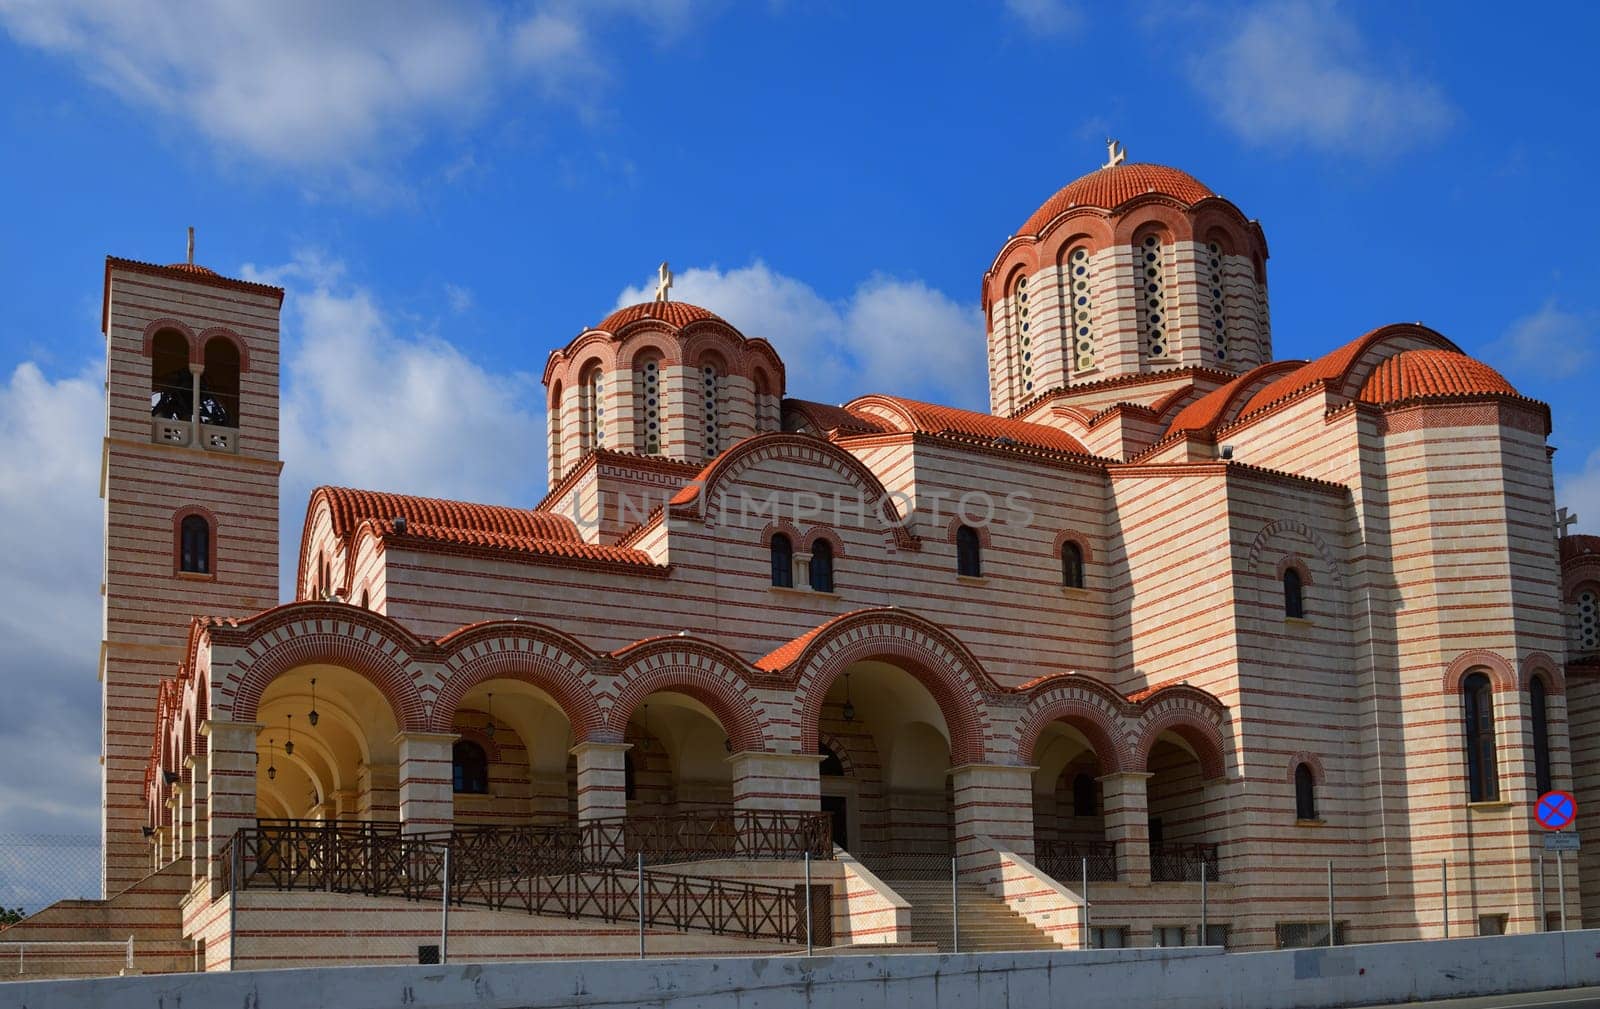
[(512, 650), (642, 341), (1500, 673), (148, 340), (1156, 217), (1092, 710), (699, 670), (1178, 710), (198, 346), (840, 750), (1319, 774), (930, 654), (1319, 546), (346, 636), (1540, 664)]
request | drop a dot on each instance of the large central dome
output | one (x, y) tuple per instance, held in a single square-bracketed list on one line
[(1110, 188)]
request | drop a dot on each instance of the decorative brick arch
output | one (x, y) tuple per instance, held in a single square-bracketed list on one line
[(1541, 665), (212, 531), (816, 533), (1180, 710), (930, 654), (839, 749), (198, 347), (512, 650), (697, 669), (1289, 561), (663, 342), (148, 342), (345, 636), (781, 526), (1319, 774), (473, 734), (957, 521), (1066, 536), (1501, 675), (1092, 710)]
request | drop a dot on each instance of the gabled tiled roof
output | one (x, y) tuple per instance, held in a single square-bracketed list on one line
[(348, 507), (534, 545), (1211, 409), (827, 418), (1110, 188), (932, 418)]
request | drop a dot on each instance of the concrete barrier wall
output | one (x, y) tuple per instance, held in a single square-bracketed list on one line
[(1172, 978)]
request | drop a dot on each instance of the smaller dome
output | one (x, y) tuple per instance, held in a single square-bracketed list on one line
[(1110, 188), (193, 268), (1417, 374), (674, 313)]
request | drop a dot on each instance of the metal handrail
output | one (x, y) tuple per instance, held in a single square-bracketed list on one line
[(1064, 859), (1180, 863)]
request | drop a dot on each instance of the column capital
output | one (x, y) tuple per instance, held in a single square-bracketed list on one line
[(195, 761), (425, 737), (1126, 776), (211, 725), (1004, 768), (597, 747), (798, 759)]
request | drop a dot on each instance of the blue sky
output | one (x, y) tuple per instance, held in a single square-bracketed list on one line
[(450, 191)]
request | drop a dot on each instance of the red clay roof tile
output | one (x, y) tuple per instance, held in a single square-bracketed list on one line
[(673, 313), (932, 418), (1414, 374), (1110, 188), (349, 506)]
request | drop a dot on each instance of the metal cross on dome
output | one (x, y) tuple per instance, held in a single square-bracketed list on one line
[(1116, 154), (1563, 520), (663, 281)]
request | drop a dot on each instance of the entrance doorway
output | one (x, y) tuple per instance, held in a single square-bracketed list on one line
[(839, 806)]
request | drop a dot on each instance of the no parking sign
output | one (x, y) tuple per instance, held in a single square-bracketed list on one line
[(1555, 810)]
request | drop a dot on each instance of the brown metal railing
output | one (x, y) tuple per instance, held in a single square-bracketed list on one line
[(571, 870), (1180, 863), (1064, 860)]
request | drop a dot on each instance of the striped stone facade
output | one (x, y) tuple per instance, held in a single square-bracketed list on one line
[(1190, 608)]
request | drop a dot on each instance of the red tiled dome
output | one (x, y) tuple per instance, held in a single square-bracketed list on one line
[(1413, 374), (1110, 188), (673, 313), (192, 268)]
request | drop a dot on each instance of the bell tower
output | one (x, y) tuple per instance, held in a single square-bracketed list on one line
[(189, 477)]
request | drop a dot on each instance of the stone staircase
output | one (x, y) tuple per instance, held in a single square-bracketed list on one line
[(148, 911), (988, 925)]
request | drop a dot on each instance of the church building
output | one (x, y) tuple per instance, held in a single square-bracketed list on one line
[(1171, 639)]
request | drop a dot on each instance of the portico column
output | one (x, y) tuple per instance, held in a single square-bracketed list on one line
[(194, 404), (787, 781), (1127, 820), (993, 801), (231, 797), (198, 819), (602, 780), (427, 781), (345, 804), (181, 830), (380, 793)]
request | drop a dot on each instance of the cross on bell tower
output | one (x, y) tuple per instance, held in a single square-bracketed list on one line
[(1116, 154), (1564, 519)]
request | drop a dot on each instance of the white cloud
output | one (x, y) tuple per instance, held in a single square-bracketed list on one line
[(1580, 493), (328, 89), (1550, 344), (460, 298), (1046, 17), (367, 406), (1301, 72), (50, 529), (890, 335)]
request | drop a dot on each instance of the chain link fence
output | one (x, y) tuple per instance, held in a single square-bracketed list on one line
[(36, 870)]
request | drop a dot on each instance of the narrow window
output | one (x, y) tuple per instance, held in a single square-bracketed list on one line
[(219, 384), (1079, 311), (194, 545), (969, 553), (630, 778), (1477, 699), (1083, 803), (782, 561), (712, 379), (1153, 323), (471, 766), (822, 566), (1019, 296), (647, 406), (1216, 300), (1305, 794), (1541, 735), (1072, 565), (1294, 602)]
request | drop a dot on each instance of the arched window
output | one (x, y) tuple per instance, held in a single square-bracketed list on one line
[(171, 383), (1538, 702), (194, 545), (647, 405), (1071, 565), (219, 384), (822, 566), (471, 767), (1019, 296), (782, 561), (591, 411), (1294, 602), (557, 405), (969, 553), (1477, 702), (1080, 308), (1305, 793), (1083, 799), (1216, 299), (1153, 322), (711, 378)]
